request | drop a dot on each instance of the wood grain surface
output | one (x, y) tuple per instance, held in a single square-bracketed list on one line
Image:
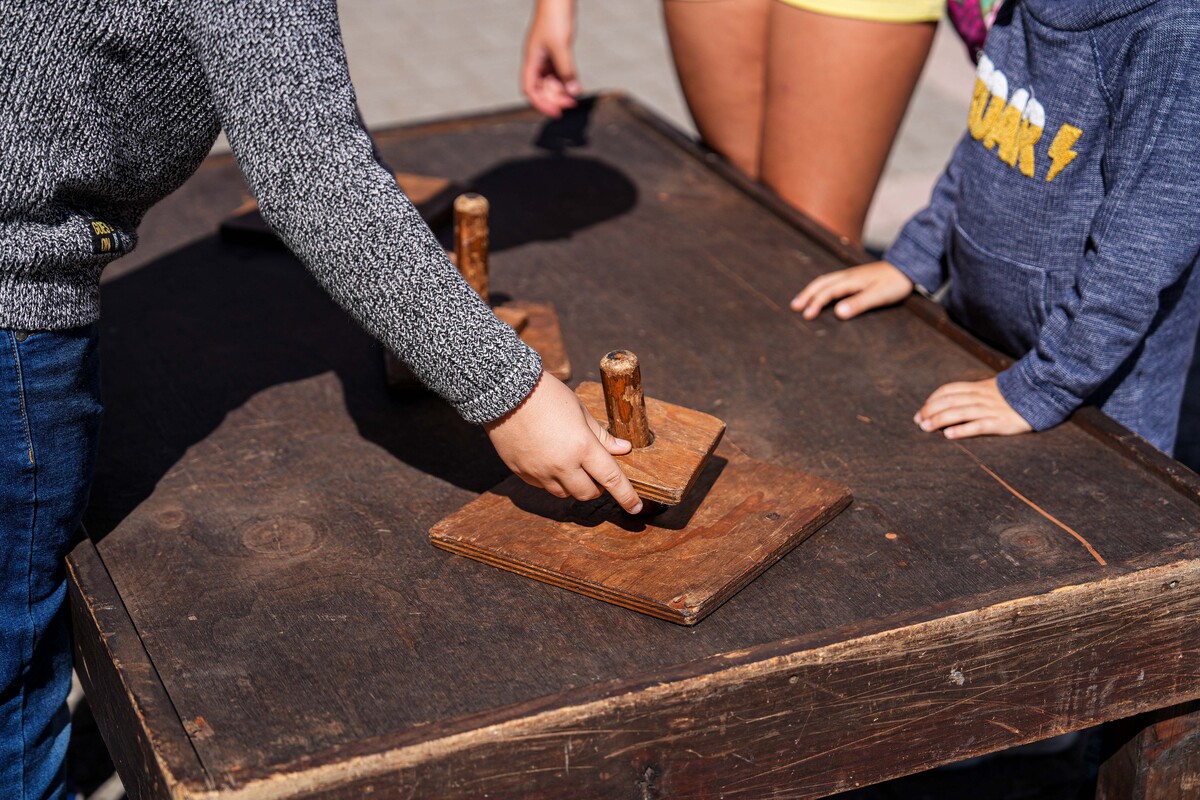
[(1154, 756), (261, 507)]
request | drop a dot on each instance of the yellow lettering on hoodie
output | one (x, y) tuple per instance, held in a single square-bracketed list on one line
[(1030, 131), (989, 100), (1004, 132)]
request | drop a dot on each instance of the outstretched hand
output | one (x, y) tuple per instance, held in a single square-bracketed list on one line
[(548, 76), (553, 442), (863, 287), (973, 408)]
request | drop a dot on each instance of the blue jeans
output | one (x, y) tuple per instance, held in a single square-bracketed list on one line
[(49, 427)]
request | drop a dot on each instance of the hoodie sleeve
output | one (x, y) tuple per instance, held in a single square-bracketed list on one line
[(919, 251), (278, 78), (1145, 236)]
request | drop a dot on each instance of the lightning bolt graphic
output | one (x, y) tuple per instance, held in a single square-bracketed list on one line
[(1060, 151)]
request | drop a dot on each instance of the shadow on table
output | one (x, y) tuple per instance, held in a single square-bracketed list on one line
[(195, 334)]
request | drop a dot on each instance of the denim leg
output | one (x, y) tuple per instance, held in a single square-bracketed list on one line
[(50, 411)]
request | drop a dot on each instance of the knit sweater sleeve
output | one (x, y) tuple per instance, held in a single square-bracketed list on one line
[(1144, 238), (280, 85)]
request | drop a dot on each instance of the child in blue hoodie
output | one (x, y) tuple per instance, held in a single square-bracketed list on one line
[(1067, 221)]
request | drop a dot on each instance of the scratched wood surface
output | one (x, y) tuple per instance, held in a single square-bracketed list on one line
[(261, 507)]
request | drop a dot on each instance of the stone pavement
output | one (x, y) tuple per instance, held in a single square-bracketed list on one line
[(416, 59)]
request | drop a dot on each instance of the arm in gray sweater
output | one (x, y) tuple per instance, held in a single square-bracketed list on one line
[(278, 77)]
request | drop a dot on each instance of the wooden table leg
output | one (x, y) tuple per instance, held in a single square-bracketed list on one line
[(1154, 756)]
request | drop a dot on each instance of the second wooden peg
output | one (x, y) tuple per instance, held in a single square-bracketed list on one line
[(623, 399), (471, 240)]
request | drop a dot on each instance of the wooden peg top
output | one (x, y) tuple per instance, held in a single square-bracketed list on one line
[(471, 240), (621, 378)]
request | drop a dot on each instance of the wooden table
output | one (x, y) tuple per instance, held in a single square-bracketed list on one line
[(259, 613)]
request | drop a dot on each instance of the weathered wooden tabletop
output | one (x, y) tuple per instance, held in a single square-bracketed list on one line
[(262, 615)]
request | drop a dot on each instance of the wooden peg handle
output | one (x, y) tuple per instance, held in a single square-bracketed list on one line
[(622, 380), (471, 240)]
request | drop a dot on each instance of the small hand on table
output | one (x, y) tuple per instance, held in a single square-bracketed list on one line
[(971, 408), (960, 410)]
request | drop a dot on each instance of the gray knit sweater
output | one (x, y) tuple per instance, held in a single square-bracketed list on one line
[(106, 106)]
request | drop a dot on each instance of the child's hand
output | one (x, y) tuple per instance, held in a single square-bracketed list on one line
[(548, 76), (551, 441), (864, 287), (969, 409)]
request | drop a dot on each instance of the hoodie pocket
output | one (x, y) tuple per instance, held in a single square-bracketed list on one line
[(1000, 300)]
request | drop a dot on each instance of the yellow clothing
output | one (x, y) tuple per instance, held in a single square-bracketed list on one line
[(879, 10)]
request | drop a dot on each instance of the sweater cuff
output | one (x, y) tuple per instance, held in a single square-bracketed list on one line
[(917, 262), (508, 393), (1033, 402)]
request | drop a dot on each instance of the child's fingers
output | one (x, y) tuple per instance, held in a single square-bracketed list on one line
[(954, 415), (946, 396), (550, 485), (952, 389), (806, 294), (869, 297), (976, 427), (580, 485), (817, 287), (606, 472), (615, 446), (549, 95), (833, 290)]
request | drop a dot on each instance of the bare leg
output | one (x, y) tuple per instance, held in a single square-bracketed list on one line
[(720, 57), (836, 92)]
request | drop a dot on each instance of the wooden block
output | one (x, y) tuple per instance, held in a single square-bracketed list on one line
[(516, 318), (743, 516), (667, 468), (433, 197), (543, 333)]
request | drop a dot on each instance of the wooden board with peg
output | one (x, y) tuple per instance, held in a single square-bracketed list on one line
[(742, 516), (724, 519)]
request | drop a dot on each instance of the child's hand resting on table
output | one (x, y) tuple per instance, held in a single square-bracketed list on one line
[(960, 410), (864, 287), (551, 441), (973, 408)]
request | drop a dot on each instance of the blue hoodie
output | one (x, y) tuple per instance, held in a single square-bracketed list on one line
[(1068, 218)]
